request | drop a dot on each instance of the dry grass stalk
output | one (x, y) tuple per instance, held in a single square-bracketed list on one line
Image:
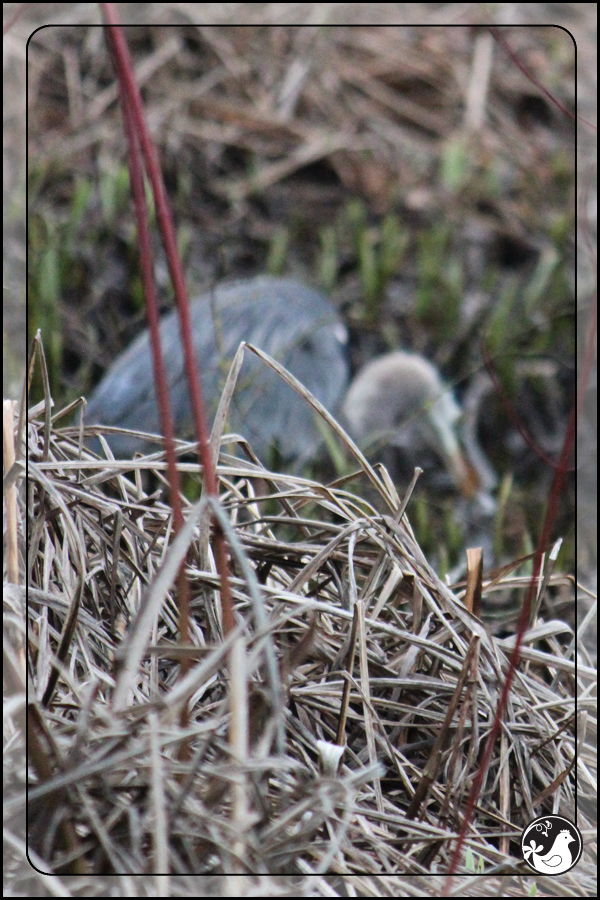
[(307, 561)]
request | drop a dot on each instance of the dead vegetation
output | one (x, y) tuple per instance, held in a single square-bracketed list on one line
[(335, 731)]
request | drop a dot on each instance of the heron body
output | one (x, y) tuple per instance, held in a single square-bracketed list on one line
[(295, 324)]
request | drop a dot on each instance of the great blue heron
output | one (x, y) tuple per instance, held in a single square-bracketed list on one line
[(399, 397)]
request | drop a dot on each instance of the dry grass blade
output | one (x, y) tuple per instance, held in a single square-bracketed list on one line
[(474, 578), (334, 425), (131, 651), (320, 764), (432, 767)]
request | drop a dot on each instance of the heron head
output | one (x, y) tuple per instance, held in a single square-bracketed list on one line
[(400, 398)]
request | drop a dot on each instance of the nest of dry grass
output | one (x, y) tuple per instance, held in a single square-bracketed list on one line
[(334, 732)]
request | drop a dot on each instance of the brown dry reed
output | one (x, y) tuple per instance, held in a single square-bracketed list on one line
[(334, 732)]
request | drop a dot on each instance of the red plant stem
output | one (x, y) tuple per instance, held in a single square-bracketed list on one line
[(147, 275), (167, 229), (133, 102), (499, 37), (512, 413), (21, 8), (549, 517)]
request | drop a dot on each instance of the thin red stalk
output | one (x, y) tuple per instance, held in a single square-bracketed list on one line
[(23, 7), (167, 229), (133, 100), (513, 415), (522, 626), (561, 470), (499, 37), (147, 274)]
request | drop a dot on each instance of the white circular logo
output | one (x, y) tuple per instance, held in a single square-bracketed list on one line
[(551, 845)]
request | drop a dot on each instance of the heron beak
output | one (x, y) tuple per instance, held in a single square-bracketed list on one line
[(444, 414), (463, 473)]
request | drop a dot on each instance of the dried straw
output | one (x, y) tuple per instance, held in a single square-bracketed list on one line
[(357, 751)]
